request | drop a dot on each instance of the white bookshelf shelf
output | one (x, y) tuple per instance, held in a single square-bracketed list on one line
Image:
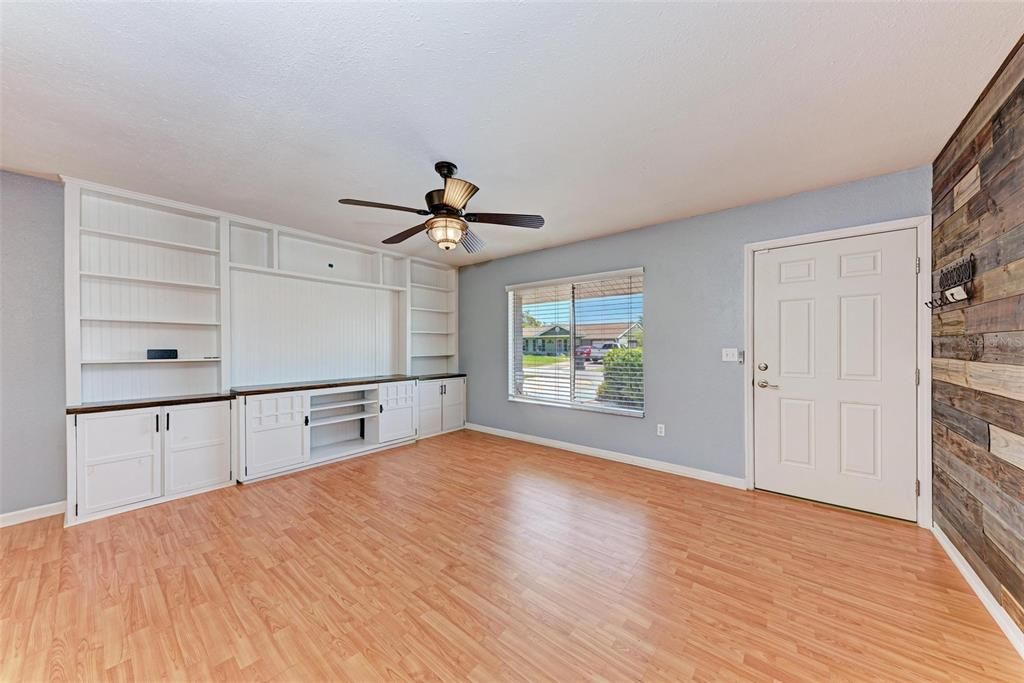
[(124, 237), (315, 278), (148, 280), (135, 361), (433, 355), (429, 310), (430, 332), (431, 287), (151, 321), (333, 419), (344, 404), (338, 449)]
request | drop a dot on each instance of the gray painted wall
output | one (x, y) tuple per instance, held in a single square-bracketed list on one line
[(32, 452), (693, 308)]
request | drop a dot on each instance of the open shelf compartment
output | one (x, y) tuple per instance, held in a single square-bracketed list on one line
[(343, 422)]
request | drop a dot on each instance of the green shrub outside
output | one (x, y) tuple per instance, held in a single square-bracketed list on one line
[(623, 377)]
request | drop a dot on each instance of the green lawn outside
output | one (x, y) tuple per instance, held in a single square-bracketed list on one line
[(537, 361)]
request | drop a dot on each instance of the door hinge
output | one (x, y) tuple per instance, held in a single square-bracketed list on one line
[(917, 265), (917, 376), (247, 470), (76, 420), (76, 509), (307, 420), (917, 487)]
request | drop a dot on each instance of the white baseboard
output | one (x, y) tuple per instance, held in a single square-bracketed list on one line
[(649, 463), (28, 514), (1003, 620)]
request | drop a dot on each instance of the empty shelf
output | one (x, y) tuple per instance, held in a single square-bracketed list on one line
[(361, 415), (338, 449), (343, 404)]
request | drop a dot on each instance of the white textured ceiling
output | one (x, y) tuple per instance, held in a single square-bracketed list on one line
[(601, 117)]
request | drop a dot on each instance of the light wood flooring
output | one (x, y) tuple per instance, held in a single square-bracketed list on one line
[(471, 557)]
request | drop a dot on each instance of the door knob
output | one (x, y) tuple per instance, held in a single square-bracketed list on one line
[(762, 366), (764, 385)]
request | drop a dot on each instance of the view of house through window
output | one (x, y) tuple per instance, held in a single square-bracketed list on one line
[(579, 342)]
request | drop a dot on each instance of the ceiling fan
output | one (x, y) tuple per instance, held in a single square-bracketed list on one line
[(448, 225)]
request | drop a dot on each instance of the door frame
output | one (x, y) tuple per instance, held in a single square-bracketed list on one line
[(923, 227)]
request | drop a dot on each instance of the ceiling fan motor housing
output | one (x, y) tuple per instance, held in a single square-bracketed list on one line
[(446, 169)]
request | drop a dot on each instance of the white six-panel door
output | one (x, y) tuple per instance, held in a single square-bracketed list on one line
[(835, 372)]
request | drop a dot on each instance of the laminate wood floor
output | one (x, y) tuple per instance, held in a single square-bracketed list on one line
[(471, 557)]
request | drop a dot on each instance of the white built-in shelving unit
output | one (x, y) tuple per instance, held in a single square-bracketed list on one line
[(433, 318), (144, 272)]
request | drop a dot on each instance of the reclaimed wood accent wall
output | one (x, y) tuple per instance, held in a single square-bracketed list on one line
[(978, 347)]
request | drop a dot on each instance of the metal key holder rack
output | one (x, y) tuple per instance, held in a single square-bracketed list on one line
[(954, 283)]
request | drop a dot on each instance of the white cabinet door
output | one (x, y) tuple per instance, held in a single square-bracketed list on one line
[(397, 410), (430, 408), (275, 432), (196, 448), (118, 458), (453, 404)]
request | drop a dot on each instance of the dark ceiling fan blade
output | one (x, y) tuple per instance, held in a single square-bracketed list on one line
[(458, 192), (520, 220), (472, 242), (405, 234), (378, 205)]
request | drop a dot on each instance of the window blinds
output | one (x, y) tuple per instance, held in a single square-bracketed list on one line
[(579, 342)]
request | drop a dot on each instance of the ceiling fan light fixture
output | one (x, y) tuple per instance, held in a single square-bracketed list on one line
[(446, 231), (458, 192)]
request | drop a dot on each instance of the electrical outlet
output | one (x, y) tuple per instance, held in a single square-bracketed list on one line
[(730, 355), (661, 430)]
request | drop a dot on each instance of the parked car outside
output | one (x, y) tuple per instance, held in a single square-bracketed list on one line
[(598, 352)]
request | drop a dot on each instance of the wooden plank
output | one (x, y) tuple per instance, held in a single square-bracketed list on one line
[(982, 488), (973, 558), (949, 323), (942, 185), (991, 99), (950, 370), (968, 426), (1010, 111), (1010, 147), (1000, 347), (960, 508), (1006, 445), (1011, 542), (1010, 575), (1013, 608), (996, 378), (968, 186), (999, 283), (997, 410), (996, 210), (1004, 198), (963, 347), (1002, 315), (1006, 477)]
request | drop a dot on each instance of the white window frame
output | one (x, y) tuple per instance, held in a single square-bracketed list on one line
[(574, 279)]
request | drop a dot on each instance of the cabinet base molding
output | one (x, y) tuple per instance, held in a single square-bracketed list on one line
[(71, 520), (325, 461), (28, 514), (447, 431)]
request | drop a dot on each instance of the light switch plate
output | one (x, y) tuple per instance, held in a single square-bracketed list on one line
[(730, 355)]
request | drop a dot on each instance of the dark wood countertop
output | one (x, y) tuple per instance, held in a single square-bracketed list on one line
[(251, 390), (100, 406), (317, 384)]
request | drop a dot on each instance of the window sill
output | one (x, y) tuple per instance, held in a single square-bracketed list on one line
[(624, 412)]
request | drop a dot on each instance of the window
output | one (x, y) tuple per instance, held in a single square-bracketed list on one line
[(579, 342)]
